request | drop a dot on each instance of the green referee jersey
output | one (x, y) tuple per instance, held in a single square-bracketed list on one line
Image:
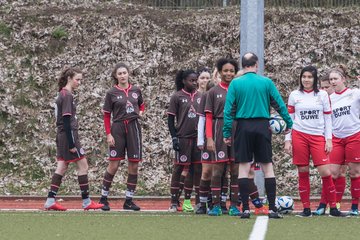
[(252, 95)]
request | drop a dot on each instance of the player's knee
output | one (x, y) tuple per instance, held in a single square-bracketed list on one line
[(354, 172), (133, 167), (83, 169), (218, 172), (335, 174), (206, 175), (178, 169)]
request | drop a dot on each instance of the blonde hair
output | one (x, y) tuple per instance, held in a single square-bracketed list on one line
[(341, 70)]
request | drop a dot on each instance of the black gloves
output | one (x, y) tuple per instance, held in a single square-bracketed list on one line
[(176, 145)]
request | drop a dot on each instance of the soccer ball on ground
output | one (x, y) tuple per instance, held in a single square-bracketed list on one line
[(284, 204), (277, 124)]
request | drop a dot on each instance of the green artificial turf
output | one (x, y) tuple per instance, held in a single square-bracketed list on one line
[(120, 225), (158, 226), (320, 227)]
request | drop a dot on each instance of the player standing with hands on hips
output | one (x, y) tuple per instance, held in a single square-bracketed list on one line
[(251, 96)]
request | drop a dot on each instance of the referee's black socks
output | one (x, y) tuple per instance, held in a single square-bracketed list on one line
[(270, 187), (244, 192)]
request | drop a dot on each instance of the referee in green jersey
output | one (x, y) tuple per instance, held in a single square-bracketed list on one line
[(252, 95)]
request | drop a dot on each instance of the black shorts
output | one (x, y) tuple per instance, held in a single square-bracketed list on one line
[(127, 136), (253, 141), (189, 152), (62, 147)]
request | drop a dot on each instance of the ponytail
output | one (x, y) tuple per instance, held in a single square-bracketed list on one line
[(65, 74)]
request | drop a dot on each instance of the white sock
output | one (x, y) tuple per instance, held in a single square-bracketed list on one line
[(86, 202), (49, 202)]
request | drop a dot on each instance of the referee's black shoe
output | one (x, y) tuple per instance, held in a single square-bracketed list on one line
[(245, 214), (274, 215)]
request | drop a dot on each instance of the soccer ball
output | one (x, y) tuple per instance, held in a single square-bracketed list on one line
[(277, 124), (284, 204)]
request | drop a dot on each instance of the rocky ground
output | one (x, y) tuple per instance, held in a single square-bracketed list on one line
[(37, 40)]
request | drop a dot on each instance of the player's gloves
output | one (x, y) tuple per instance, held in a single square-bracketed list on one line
[(176, 145)]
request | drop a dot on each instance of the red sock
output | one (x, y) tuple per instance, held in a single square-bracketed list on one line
[(304, 189), (340, 184), (323, 197), (329, 187), (355, 190)]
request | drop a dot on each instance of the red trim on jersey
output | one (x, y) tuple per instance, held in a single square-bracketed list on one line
[(104, 111), (329, 112), (291, 109), (224, 85), (342, 91), (142, 107), (170, 113), (125, 90), (63, 91), (208, 124), (190, 94), (107, 124), (308, 91)]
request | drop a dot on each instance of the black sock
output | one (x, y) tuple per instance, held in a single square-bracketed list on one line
[(270, 187), (244, 192)]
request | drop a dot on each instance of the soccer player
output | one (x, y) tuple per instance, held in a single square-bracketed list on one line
[(310, 110), (346, 131), (250, 96), (68, 147), (338, 172), (205, 156), (183, 107), (222, 154), (124, 103)]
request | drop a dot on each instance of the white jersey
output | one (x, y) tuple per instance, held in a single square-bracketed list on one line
[(346, 112), (311, 113)]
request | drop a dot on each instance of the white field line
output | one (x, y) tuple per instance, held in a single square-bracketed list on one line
[(259, 229)]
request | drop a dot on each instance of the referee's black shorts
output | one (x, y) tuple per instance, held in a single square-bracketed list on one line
[(253, 141)]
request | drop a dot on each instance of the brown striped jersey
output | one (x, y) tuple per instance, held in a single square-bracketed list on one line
[(65, 106), (215, 100), (184, 106), (124, 104)]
